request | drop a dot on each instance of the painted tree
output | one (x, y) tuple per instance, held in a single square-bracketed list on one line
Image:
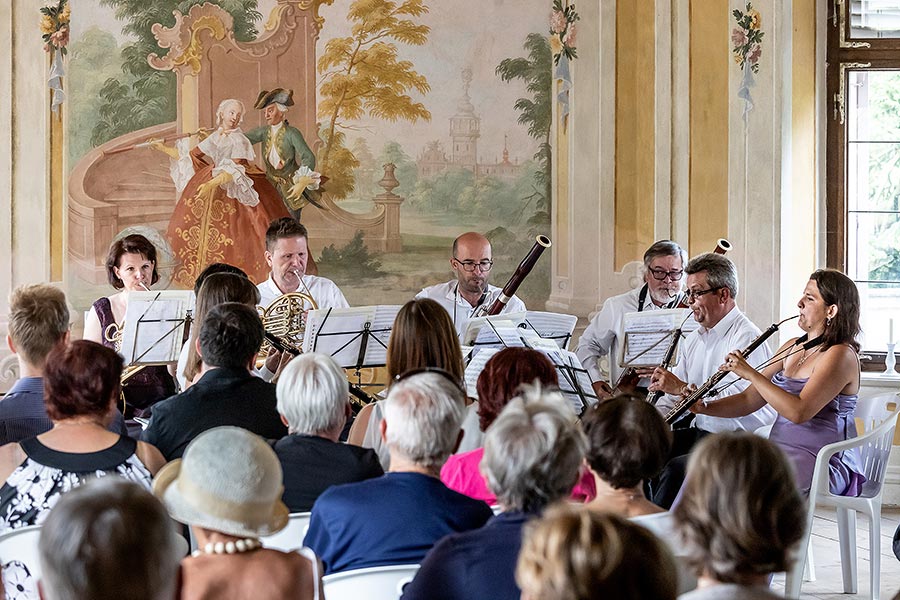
[(362, 74), (535, 71)]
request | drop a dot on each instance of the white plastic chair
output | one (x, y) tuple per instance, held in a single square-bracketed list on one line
[(374, 583), (874, 448), (22, 545), (291, 537)]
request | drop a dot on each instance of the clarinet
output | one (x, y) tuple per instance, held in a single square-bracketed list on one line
[(653, 397), (683, 405)]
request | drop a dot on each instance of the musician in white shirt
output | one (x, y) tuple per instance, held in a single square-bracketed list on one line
[(663, 269), (471, 260), (712, 286), (287, 252)]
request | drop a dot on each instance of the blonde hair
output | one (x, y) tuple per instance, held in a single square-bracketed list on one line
[(38, 320), (573, 553), (740, 512)]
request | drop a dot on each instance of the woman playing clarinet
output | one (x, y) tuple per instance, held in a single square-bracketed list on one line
[(812, 382)]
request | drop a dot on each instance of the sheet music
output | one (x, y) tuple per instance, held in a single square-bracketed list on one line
[(572, 376), (554, 326), (154, 326), (338, 332), (480, 333), (648, 334)]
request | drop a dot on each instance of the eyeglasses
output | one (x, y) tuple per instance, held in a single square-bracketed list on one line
[(661, 274), (437, 371), (469, 265), (692, 295)]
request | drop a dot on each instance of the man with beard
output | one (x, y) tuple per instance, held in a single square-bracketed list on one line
[(663, 269), (462, 297)]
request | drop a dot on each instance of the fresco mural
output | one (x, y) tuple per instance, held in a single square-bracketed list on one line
[(454, 95)]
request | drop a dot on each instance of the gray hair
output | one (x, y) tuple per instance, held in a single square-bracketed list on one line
[(281, 107), (423, 414), (720, 271), (225, 103), (109, 539), (533, 451), (664, 248), (313, 394)]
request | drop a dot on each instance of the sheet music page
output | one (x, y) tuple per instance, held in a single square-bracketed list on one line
[(154, 326), (647, 335), (478, 327), (380, 333), (337, 332), (573, 377), (476, 366), (549, 325)]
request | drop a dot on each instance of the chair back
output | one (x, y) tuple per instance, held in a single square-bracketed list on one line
[(374, 583), (21, 546), (291, 537), (873, 410), (874, 452)]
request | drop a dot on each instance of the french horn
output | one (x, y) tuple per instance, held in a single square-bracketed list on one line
[(285, 317)]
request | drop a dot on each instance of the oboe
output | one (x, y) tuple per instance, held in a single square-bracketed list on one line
[(683, 405), (653, 397)]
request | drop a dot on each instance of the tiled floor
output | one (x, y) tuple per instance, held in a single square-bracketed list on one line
[(827, 558)]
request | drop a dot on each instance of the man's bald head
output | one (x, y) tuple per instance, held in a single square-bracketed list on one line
[(469, 250)]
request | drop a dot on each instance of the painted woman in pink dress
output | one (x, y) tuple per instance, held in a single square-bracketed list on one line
[(226, 202), (813, 383)]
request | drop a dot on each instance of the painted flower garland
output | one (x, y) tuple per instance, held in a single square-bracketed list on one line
[(563, 31), (55, 17), (747, 38)]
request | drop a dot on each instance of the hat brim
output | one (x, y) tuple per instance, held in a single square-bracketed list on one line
[(182, 510)]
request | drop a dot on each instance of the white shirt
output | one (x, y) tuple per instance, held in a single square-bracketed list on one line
[(324, 292), (601, 337), (459, 309), (274, 157), (699, 357)]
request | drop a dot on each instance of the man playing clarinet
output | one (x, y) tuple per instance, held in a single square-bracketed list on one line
[(471, 261)]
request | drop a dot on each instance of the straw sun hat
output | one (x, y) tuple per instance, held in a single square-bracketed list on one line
[(229, 481)]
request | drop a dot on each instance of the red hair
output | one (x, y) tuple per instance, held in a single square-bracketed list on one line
[(80, 380), (499, 382)]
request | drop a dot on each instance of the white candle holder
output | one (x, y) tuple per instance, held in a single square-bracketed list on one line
[(890, 360)]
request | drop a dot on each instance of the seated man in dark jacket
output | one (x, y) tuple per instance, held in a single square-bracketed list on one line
[(395, 519), (313, 399), (227, 392)]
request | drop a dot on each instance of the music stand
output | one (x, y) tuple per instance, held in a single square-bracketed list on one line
[(647, 335), (154, 327), (356, 338)]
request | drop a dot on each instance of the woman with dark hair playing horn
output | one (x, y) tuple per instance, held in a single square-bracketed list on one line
[(812, 382)]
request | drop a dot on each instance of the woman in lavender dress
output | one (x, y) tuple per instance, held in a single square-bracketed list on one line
[(812, 382)]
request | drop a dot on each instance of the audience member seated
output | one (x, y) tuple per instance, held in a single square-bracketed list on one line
[(532, 457), (38, 323), (216, 289), (109, 540), (228, 489), (423, 336), (313, 399), (227, 393), (395, 519), (739, 516), (130, 267), (498, 383), (580, 554), (81, 387), (628, 444)]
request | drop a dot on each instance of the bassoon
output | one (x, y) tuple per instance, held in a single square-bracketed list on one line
[(541, 243)]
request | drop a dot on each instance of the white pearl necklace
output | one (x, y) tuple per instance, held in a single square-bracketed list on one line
[(236, 547)]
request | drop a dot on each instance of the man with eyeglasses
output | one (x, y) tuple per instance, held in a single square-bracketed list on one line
[(663, 274), (462, 297), (712, 286)]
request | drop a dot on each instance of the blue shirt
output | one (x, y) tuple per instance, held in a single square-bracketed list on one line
[(23, 414), (475, 564), (390, 520)]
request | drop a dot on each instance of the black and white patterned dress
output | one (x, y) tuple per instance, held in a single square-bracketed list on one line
[(36, 485)]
